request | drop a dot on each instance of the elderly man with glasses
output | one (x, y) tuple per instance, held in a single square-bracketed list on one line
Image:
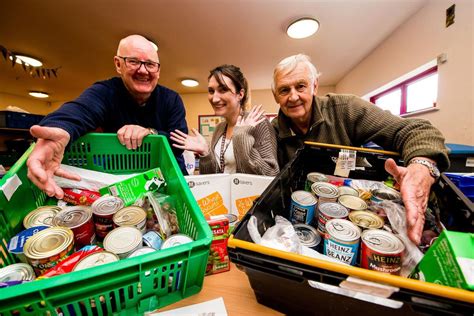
[(133, 105)]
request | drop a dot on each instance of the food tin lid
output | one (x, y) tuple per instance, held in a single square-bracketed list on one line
[(342, 229), (17, 272), (73, 216), (48, 242), (123, 239), (382, 241), (316, 177), (233, 219), (366, 219), (386, 193), (325, 190), (42, 216), (95, 259), (303, 198), (333, 210), (308, 235), (345, 190), (141, 251), (352, 202), (17, 242), (107, 205), (131, 215), (176, 240)]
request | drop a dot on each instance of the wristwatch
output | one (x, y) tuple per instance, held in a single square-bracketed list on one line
[(434, 171), (152, 131)]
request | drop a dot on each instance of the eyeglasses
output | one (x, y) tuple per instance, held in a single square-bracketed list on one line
[(133, 63)]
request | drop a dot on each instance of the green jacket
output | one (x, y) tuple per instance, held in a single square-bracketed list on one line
[(344, 119)]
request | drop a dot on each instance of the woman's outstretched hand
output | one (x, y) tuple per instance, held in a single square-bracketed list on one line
[(195, 142)]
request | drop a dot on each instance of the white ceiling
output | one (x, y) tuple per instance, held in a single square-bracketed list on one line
[(193, 37)]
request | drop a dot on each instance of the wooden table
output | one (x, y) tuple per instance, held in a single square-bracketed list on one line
[(234, 287)]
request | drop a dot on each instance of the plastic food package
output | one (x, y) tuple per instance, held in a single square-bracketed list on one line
[(163, 217)]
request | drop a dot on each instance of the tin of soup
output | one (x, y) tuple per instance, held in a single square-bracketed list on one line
[(17, 243), (308, 236), (329, 211), (313, 177), (325, 192), (302, 208), (79, 220), (103, 210), (345, 190), (352, 203), (341, 241), (42, 216), (366, 219), (17, 272), (381, 251), (123, 240), (131, 216), (95, 259), (48, 247)]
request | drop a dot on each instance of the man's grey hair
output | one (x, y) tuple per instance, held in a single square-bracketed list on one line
[(290, 63)]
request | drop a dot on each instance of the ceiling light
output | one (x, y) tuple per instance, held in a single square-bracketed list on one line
[(302, 28), (27, 60), (38, 94), (189, 82)]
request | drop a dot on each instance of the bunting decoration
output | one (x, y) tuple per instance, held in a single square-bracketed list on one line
[(34, 72)]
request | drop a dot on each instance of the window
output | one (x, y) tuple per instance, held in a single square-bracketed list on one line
[(415, 94)]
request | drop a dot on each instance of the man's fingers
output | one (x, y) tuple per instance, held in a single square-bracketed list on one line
[(392, 168), (415, 231), (68, 175), (35, 169)]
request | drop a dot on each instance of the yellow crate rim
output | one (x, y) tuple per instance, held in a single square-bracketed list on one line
[(361, 149)]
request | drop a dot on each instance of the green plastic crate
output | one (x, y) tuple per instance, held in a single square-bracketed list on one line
[(131, 286)]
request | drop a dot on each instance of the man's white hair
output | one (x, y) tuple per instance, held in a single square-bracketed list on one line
[(290, 63)]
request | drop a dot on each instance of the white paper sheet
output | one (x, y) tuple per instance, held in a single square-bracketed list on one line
[(214, 307)]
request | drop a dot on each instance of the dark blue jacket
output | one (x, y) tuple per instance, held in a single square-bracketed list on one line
[(109, 105)]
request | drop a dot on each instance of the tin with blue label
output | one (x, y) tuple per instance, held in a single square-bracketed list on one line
[(153, 239), (17, 243), (302, 208), (341, 240)]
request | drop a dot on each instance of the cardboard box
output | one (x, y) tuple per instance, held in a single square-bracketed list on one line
[(245, 188), (134, 188), (212, 193), (449, 261)]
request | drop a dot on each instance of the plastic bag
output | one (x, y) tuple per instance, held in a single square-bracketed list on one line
[(163, 218)]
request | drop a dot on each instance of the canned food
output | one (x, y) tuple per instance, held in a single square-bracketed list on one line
[(152, 239), (345, 190), (329, 211), (366, 220), (124, 240), (48, 247), (381, 251), (325, 192), (302, 208), (342, 240), (313, 177), (352, 203), (79, 220), (42, 216), (131, 216), (308, 236), (17, 243), (103, 210), (386, 193), (176, 240), (17, 272), (141, 251), (95, 259)]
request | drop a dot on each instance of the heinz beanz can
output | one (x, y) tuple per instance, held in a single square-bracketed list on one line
[(329, 211), (342, 241), (303, 206), (79, 220), (381, 251)]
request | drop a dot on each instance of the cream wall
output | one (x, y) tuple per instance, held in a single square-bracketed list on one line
[(34, 106), (197, 104), (421, 39)]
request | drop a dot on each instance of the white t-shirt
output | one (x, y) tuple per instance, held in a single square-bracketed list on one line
[(230, 165)]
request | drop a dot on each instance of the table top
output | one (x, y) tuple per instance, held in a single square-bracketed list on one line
[(234, 287)]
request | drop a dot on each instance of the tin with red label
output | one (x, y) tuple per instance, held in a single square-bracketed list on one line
[(302, 208), (48, 247), (80, 196), (381, 251), (218, 260), (103, 210), (42, 216), (329, 211), (341, 241), (79, 219)]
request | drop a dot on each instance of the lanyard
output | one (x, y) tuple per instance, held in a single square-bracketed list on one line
[(223, 150)]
